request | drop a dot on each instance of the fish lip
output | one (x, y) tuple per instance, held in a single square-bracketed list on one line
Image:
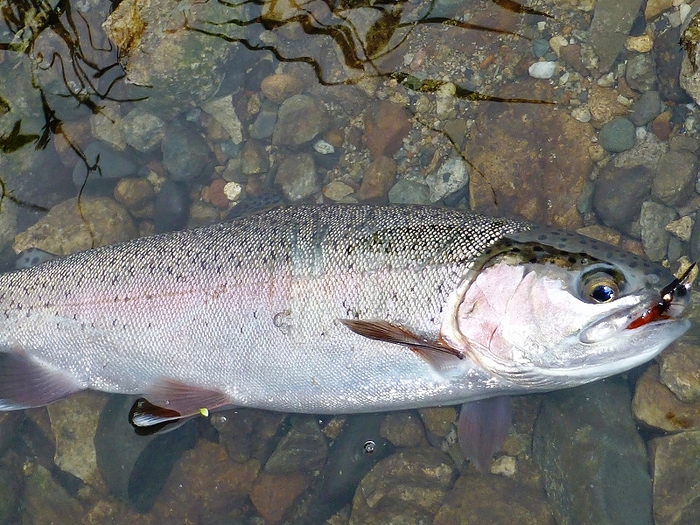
[(610, 323)]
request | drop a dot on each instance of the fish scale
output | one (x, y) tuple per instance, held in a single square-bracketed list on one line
[(320, 309)]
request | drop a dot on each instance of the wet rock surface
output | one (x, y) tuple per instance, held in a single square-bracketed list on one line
[(587, 437)]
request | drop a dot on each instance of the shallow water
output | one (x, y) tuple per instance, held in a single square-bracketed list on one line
[(185, 111)]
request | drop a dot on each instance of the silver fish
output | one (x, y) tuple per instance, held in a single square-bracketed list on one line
[(332, 309)]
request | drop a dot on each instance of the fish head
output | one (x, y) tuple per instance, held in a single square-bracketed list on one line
[(551, 312)]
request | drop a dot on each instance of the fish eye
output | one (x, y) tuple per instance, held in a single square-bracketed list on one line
[(600, 287)]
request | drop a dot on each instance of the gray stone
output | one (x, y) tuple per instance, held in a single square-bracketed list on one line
[(676, 463), (409, 192), (684, 142), (653, 219), (640, 73), (303, 448), (142, 131), (300, 119), (265, 122), (646, 108), (186, 153), (619, 192), (612, 22), (675, 179), (44, 500), (105, 164), (617, 135), (452, 176), (592, 458), (297, 177), (254, 158)]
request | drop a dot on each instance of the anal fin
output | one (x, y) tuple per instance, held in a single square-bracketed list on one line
[(169, 403), (26, 382), (482, 429)]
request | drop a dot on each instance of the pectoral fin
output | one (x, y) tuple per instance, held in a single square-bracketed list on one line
[(26, 382), (381, 330), (170, 403), (482, 429)]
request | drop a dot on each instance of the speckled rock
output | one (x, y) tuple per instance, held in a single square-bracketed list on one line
[(279, 88), (586, 437), (386, 125), (254, 158), (617, 135), (337, 191), (653, 219), (142, 131), (680, 369), (297, 178), (64, 230), (299, 120), (640, 74), (378, 179), (403, 429), (134, 194), (157, 50), (542, 172), (449, 178), (675, 180), (612, 21), (273, 494), (646, 108), (225, 114), (74, 422), (494, 500), (186, 153), (404, 488), (657, 407), (303, 448), (676, 471), (619, 192), (44, 500), (205, 482), (604, 106), (409, 192), (668, 65), (438, 420)]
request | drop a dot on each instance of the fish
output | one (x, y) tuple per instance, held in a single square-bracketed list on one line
[(331, 309)]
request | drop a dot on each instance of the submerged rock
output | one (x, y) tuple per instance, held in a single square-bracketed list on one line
[(593, 460)]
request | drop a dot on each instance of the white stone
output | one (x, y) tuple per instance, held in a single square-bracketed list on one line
[(452, 176), (232, 190), (682, 228), (323, 147), (581, 114), (542, 70)]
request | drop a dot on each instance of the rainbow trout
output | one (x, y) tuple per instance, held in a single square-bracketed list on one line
[(332, 309)]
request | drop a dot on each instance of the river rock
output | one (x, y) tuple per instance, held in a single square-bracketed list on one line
[(186, 153), (386, 125), (619, 193), (617, 135), (680, 368), (495, 500), (451, 177), (676, 471), (101, 165), (653, 219), (304, 447), (279, 88), (646, 108), (74, 422), (668, 61), (246, 433), (379, 178), (404, 488), (612, 22), (300, 119), (658, 408), (675, 180), (273, 494), (297, 177), (44, 500), (403, 429), (409, 192), (586, 437), (640, 73), (142, 131), (77, 225), (542, 172), (171, 209), (178, 68)]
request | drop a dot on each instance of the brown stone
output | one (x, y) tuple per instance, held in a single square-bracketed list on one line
[(386, 125), (273, 494), (279, 88), (438, 420), (378, 179), (531, 161), (604, 105), (134, 193), (495, 500), (680, 369), (403, 429), (656, 406), (215, 194), (661, 126), (205, 483)]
